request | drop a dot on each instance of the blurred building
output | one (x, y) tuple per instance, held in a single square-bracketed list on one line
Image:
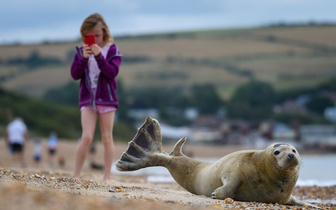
[(318, 136)]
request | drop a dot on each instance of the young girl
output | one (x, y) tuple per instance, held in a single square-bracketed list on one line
[(97, 67)]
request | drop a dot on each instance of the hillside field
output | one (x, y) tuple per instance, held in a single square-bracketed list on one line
[(287, 57)]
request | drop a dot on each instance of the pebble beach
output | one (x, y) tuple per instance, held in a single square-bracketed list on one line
[(42, 187)]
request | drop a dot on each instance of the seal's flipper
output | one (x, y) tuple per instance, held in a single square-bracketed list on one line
[(229, 188), (293, 201), (145, 149), (177, 150)]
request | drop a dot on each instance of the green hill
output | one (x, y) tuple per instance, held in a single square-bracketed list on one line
[(286, 57), (40, 117)]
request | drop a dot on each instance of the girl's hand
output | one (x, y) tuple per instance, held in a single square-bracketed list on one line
[(96, 50), (87, 51)]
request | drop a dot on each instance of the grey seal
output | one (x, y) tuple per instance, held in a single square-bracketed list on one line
[(267, 175)]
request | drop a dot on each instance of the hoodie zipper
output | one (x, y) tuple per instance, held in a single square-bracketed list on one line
[(88, 83), (110, 92)]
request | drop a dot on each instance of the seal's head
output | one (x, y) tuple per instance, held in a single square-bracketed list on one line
[(286, 156)]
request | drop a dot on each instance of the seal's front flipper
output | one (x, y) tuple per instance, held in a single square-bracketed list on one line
[(144, 149), (293, 201), (228, 190)]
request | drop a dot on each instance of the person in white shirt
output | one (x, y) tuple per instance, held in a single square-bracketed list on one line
[(16, 137)]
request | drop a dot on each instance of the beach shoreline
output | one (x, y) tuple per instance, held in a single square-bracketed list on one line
[(45, 187)]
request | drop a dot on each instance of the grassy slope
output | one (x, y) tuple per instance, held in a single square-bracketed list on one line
[(288, 57)]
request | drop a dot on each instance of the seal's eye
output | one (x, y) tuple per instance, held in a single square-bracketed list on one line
[(276, 152), (294, 151)]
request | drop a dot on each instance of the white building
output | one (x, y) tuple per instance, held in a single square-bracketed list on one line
[(318, 135), (330, 114)]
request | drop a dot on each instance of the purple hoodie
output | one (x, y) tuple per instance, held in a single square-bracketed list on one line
[(106, 86)]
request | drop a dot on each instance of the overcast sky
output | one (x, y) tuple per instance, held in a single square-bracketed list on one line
[(40, 20)]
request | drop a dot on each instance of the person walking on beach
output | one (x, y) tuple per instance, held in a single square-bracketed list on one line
[(52, 148), (96, 66), (37, 152), (16, 137)]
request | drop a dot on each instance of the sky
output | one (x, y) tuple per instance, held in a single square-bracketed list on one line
[(26, 21)]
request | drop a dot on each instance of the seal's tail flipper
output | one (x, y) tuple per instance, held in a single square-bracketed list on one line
[(145, 149)]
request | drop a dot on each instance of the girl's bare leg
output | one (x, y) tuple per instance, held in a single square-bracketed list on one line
[(89, 119), (106, 121)]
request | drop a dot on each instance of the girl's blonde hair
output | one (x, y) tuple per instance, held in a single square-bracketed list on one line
[(90, 22)]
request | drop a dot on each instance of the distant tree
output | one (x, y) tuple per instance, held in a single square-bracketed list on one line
[(124, 106), (169, 101), (158, 97), (252, 101), (136, 59), (34, 59), (330, 85), (66, 94), (318, 104), (206, 99), (70, 55)]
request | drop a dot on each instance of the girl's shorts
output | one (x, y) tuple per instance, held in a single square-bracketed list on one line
[(100, 109)]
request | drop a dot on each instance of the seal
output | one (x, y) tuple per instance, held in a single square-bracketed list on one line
[(267, 175)]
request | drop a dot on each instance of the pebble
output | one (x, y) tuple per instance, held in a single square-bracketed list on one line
[(111, 190)]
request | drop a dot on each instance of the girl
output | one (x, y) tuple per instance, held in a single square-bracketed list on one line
[(96, 66)]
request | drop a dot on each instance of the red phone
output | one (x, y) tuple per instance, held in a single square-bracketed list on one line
[(89, 39)]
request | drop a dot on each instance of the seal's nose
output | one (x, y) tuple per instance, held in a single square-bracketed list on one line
[(291, 156)]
